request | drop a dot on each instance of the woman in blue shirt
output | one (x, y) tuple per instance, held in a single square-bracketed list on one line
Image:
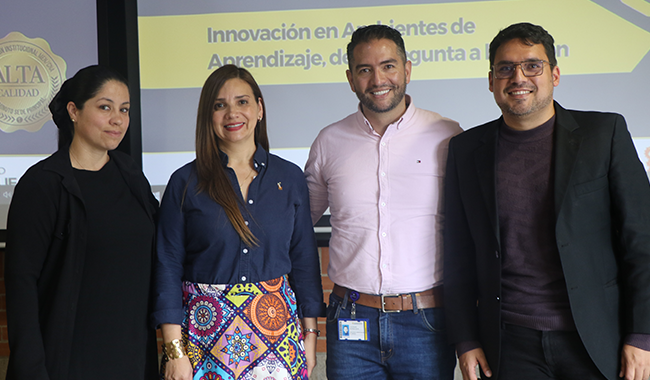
[(235, 240)]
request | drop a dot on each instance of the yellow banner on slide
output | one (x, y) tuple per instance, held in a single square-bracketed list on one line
[(444, 41)]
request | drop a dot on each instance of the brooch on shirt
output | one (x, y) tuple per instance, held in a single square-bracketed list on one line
[(279, 185)]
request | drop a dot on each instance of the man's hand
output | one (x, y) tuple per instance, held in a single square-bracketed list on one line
[(635, 363), (468, 362)]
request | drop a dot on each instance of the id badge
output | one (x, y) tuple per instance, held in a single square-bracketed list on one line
[(353, 329)]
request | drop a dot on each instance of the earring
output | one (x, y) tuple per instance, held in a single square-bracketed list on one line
[(73, 120)]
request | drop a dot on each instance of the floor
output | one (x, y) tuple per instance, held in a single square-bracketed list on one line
[(319, 372)]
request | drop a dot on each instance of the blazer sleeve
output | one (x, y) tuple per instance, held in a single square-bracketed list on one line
[(459, 261), (630, 195), (31, 225)]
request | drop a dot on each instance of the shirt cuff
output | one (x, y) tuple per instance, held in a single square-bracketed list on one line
[(312, 310), (641, 341), (172, 316), (464, 347)]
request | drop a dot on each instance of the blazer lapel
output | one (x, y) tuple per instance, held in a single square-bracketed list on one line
[(60, 164), (567, 145), (485, 161)]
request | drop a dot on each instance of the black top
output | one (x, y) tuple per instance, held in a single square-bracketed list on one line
[(112, 306), (45, 263)]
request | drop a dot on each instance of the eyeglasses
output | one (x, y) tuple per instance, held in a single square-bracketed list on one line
[(529, 68)]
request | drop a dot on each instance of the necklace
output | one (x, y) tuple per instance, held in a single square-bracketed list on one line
[(73, 158), (246, 179)]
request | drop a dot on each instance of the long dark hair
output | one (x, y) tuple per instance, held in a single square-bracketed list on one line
[(212, 177), (84, 85)]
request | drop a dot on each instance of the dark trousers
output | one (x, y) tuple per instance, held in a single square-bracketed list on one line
[(544, 355)]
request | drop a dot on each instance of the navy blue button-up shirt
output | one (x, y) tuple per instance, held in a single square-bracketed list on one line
[(197, 243)]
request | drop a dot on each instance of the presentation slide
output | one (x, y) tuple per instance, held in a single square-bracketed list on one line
[(42, 43), (296, 52)]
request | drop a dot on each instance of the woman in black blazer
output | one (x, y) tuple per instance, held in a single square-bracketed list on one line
[(80, 235)]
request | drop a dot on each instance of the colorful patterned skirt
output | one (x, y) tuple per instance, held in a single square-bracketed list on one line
[(243, 331)]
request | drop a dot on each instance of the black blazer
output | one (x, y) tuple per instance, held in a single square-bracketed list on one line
[(602, 209), (46, 246)]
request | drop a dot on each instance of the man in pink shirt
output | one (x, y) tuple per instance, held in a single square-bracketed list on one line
[(381, 172)]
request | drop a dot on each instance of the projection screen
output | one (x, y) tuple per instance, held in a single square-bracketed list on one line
[(296, 52)]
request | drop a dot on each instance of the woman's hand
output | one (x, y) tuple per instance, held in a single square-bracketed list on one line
[(178, 369), (175, 369), (310, 339), (310, 352)]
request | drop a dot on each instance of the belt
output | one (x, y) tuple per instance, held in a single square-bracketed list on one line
[(391, 303)]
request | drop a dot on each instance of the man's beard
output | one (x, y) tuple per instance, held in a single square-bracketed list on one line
[(398, 95), (518, 111)]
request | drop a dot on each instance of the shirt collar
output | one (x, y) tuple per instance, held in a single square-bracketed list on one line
[(402, 122), (260, 158)]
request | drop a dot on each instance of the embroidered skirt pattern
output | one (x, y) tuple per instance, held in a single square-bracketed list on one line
[(243, 331)]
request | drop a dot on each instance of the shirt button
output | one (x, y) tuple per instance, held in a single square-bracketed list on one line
[(246, 222), (496, 253), (383, 234), (250, 201), (383, 174), (263, 164), (383, 203), (383, 144), (256, 164), (243, 278), (245, 250), (384, 266)]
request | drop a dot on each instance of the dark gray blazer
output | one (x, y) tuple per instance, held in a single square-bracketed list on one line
[(602, 208)]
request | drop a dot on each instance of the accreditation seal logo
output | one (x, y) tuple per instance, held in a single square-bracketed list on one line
[(30, 76)]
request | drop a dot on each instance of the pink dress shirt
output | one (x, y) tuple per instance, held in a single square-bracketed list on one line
[(385, 197)]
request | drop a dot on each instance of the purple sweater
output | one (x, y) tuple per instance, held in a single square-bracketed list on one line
[(533, 290)]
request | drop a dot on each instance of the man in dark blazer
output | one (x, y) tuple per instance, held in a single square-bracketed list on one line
[(547, 232)]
